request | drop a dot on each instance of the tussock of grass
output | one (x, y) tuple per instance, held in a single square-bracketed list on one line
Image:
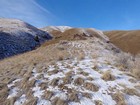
[(32, 101), (98, 102), (79, 81), (119, 98), (48, 94), (87, 95), (83, 73), (26, 84), (131, 91), (68, 78), (10, 101), (73, 97), (54, 82), (90, 78), (3, 92), (107, 76), (91, 86), (52, 72), (43, 86), (58, 101)]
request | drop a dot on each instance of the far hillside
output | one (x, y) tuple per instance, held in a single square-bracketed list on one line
[(128, 41)]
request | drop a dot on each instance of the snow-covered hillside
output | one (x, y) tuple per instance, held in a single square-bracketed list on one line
[(87, 76), (17, 37), (57, 28)]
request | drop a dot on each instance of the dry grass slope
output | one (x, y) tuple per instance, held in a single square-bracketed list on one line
[(128, 41)]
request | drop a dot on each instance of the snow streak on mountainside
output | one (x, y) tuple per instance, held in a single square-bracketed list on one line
[(17, 37), (57, 28)]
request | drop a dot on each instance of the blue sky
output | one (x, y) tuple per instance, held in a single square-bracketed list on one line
[(100, 14)]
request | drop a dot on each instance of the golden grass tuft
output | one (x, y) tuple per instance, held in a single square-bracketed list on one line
[(43, 85), (73, 97), (87, 95), (10, 101), (119, 98), (32, 101), (3, 92), (98, 102), (54, 82), (131, 91), (58, 101), (91, 86), (26, 84), (107, 76), (136, 73), (83, 73), (68, 77), (79, 81), (90, 78), (48, 94), (52, 72)]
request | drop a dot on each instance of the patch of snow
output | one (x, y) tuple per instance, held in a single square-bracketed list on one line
[(13, 92), (21, 100)]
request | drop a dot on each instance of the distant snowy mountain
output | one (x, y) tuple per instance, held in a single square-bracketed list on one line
[(17, 36), (57, 28)]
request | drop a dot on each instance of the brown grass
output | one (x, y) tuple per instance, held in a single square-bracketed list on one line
[(26, 84), (10, 101), (43, 85), (87, 95), (54, 82), (98, 102), (83, 73), (107, 76), (68, 77), (131, 91), (32, 101), (128, 41), (48, 94), (58, 101), (73, 97), (91, 86), (3, 92), (79, 81), (52, 72), (90, 78), (119, 98)]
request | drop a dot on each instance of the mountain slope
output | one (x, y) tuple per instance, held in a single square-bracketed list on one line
[(17, 37), (128, 41), (72, 34), (77, 72)]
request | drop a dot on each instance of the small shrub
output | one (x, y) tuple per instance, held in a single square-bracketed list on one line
[(36, 38)]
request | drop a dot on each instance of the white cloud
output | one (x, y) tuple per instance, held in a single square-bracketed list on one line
[(27, 10)]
